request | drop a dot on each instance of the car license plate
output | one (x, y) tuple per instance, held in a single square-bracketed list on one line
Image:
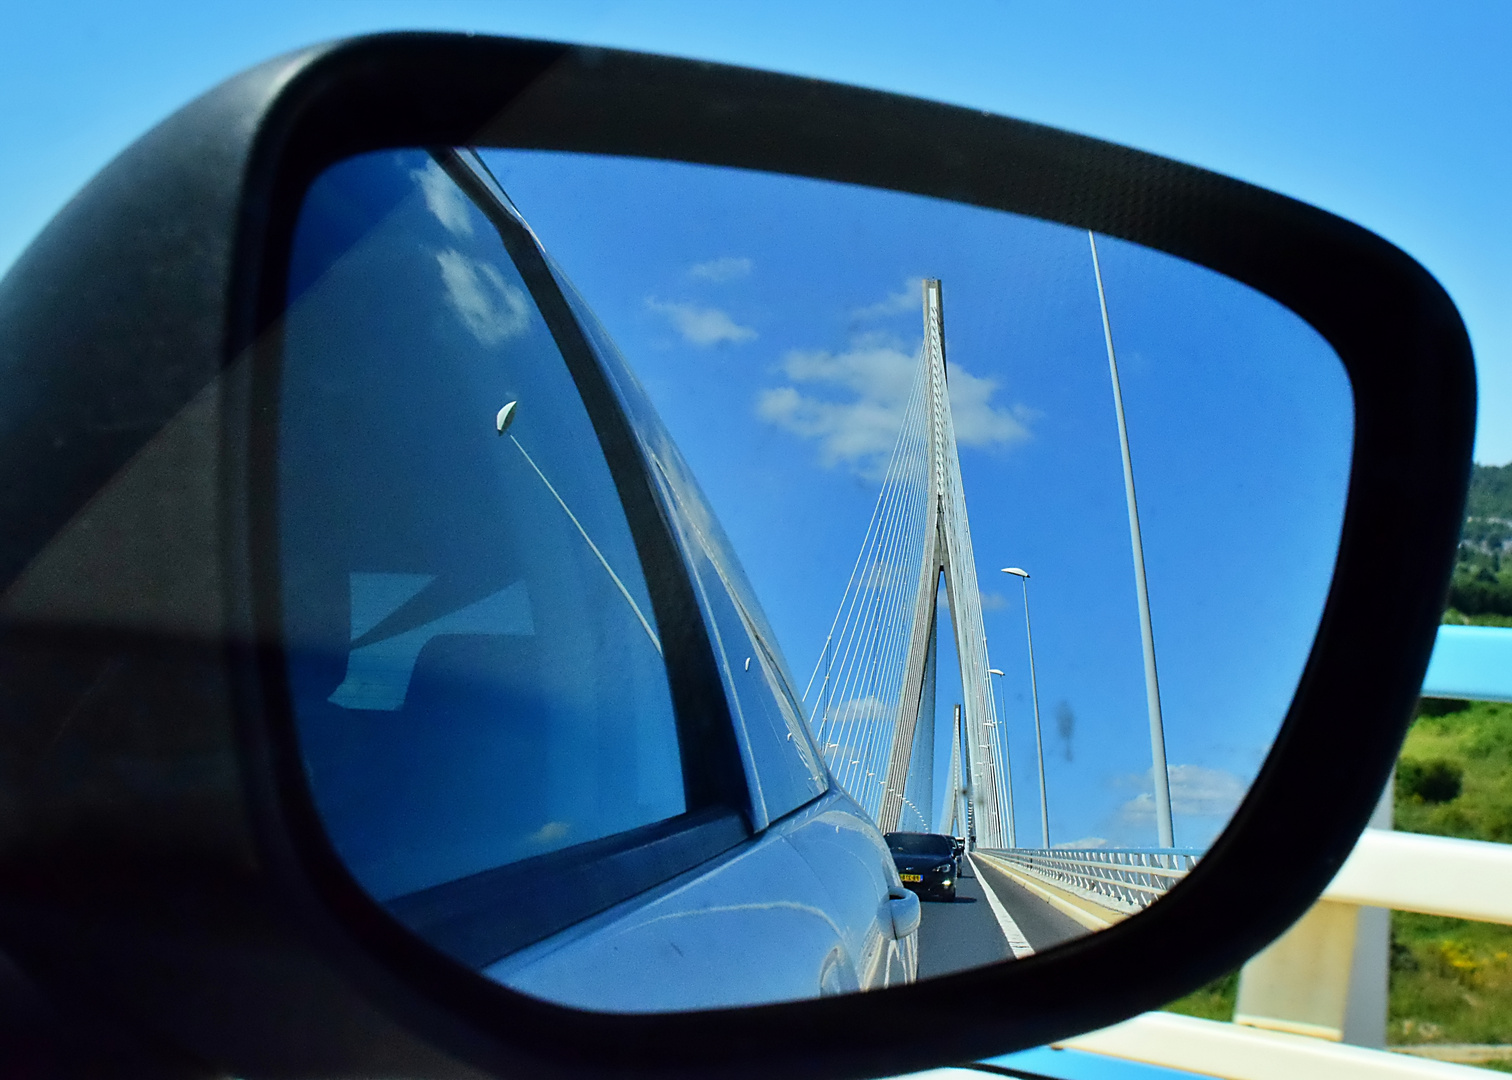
[(912, 877)]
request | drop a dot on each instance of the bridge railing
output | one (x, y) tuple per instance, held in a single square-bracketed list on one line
[(1126, 880)]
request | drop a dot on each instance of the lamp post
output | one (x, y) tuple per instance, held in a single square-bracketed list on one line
[(1161, 775), (1039, 745)]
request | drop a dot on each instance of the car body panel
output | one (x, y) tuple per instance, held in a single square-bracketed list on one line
[(793, 913)]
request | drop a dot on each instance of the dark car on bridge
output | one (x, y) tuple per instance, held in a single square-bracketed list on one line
[(927, 862)]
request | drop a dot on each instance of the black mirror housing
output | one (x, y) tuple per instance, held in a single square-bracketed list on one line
[(164, 882)]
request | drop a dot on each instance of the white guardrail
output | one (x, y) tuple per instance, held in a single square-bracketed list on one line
[(1123, 881), (1433, 875)]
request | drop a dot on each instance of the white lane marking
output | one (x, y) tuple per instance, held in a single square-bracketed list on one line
[(1015, 937), (1065, 907)]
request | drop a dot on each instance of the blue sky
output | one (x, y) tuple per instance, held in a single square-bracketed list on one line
[(775, 323), (1395, 116)]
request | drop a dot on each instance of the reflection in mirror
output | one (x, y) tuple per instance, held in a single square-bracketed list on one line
[(1044, 520)]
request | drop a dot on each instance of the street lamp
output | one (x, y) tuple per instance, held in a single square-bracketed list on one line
[(1039, 745)]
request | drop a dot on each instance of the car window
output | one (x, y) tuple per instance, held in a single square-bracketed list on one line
[(473, 661), (784, 767), (920, 844)]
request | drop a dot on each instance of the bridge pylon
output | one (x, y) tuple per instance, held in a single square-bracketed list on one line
[(874, 705), (948, 555)]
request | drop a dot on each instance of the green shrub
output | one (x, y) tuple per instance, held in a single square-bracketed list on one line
[(1436, 781)]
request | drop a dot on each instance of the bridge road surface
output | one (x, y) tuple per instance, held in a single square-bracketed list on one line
[(966, 933)]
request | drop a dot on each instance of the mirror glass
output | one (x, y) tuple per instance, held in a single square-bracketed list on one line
[(1008, 543)]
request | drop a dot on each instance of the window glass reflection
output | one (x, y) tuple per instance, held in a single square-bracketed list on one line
[(473, 658)]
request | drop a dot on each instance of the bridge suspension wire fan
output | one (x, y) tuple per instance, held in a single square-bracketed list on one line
[(871, 693), (854, 690)]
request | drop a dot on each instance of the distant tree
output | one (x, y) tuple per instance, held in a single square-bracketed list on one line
[(1490, 492)]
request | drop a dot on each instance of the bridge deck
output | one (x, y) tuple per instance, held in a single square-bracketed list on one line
[(967, 933)]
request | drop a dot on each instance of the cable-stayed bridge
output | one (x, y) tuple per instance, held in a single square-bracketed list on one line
[(871, 700), (872, 693)]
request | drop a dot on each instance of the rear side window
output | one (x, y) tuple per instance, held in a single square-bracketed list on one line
[(783, 767), (472, 657)]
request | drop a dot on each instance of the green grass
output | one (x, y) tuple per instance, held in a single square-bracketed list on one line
[(1451, 981), (1475, 740), (1215, 1001)]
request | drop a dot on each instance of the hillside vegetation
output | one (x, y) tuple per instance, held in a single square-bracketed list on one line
[(1481, 589), (1490, 493)]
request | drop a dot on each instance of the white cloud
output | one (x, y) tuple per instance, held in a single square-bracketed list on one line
[(725, 268), (862, 395), (850, 719), (1196, 791), (875, 377), (993, 601), (885, 574), (909, 298), (552, 832), (444, 199), (1085, 842), (701, 326), (492, 308), (869, 707), (977, 423)]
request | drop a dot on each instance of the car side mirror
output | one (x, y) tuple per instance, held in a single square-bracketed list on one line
[(905, 912), (384, 696)]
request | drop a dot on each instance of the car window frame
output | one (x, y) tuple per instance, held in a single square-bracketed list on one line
[(480, 918)]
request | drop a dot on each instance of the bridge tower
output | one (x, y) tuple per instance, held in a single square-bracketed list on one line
[(956, 813), (947, 554), (873, 686)]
